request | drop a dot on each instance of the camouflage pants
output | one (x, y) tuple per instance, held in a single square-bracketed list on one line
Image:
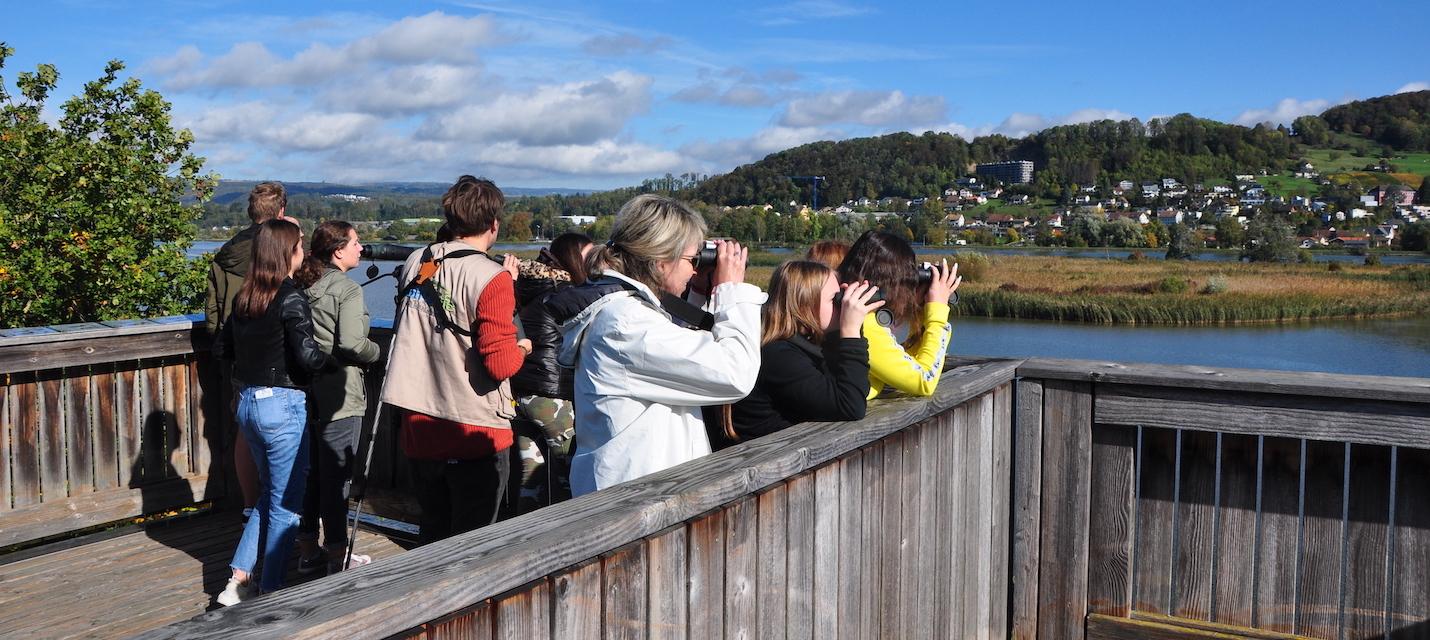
[(544, 439)]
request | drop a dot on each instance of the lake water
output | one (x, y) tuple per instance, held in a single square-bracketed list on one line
[(1384, 346)]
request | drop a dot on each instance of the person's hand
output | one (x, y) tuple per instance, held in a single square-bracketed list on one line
[(945, 282), (525, 345), (730, 264), (512, 264), (854, 306)]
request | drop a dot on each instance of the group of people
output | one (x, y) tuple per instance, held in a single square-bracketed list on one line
[(592, 365)]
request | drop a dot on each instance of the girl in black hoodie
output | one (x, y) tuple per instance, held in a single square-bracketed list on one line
[(814, 363)]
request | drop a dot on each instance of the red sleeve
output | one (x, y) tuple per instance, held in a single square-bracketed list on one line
[(496, 335)]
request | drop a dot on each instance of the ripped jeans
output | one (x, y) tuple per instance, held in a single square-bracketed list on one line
[(272, 420)]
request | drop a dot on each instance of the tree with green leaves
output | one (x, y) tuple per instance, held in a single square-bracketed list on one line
[(1229, 233), (92, 224), (1269, 238), (1181, 243)]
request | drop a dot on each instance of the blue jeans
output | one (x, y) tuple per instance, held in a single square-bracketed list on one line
[(272, 419)]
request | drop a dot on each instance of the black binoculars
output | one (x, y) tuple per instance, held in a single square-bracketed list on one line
[(707, 257)]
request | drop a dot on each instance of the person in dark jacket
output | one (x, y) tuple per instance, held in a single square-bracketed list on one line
[(814, 362), (543, 387), (270, 339)]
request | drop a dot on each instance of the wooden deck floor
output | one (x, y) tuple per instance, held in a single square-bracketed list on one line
[(130, 583)]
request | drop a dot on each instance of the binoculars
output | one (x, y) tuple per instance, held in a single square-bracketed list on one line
[(707, 257)]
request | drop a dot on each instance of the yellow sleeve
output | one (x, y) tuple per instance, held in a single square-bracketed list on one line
[(915, 373)]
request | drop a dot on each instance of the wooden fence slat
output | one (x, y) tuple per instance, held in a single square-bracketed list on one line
[(1027, 507), (473, 624), (982, 477), (825, 594), (1364, 596), (799, 557), (771, 547), (667, 568), (927, 508), (1152, 583), (1196, 513), (1109, 546), (204, 434), (127, 424), (851, 523), (910, 549), (707, 576), (623, 592), (1236, 533), (871, 561), (945, 537), (79, 433), (526, 614), (6, 424), (1275, 593), (961, 565), (1002, 483), (1067, 450), (576, 602), (741, 568), (181, 435), (53, 481), (1320, 559), (891, 624), (25, 443), (154, 424), (106, 429), (1410, 564)]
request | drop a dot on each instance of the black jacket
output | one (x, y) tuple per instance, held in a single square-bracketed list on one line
[(276, 349), (539, 374), (800, 382)]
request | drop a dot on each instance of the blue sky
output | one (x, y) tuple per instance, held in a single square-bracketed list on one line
[(572, 94)]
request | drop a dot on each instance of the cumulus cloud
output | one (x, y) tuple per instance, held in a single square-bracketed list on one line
[(1414, 86), (1018, 124), (407, 89), (1283, 112), (258, 122), (870, 108), (738, 87), (724, 154), (567, 114), (623, 44)]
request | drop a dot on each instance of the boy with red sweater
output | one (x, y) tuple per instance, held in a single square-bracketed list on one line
[(450, 368)]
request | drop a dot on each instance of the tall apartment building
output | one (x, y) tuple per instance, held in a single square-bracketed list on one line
[(1010, 172)]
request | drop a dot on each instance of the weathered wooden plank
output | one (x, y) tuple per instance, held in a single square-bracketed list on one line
[(1067, 452), (79, 432), (825, 594), (741, 568), (772, 548), (1296, 383), (176, 398), (1156, 627), (525, 614), (707, 576), (1153, 537), (799, 557), (945, 611), (16, 358), (1319, 564), (1001, 486), (1195, 517), (1313, 417), (51, 518), (6, 424), (473, 624), (925, 587), (851, 523), (576, 602), (1027, 507), (25, 442), (1410, 562), (1114, 476), (1364, 597), (1236, 532), (623, 592), (205, 439), (962, 566), (910, 549), (891, 624), (106, 430), (53, 482), (1274, 606), (156, 421), (127, 426), (871, 529), (982, 479), (666, 567)]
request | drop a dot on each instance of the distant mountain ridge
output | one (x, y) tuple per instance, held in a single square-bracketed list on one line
[(231, 190)]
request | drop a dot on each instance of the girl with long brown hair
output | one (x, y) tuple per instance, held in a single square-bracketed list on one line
[(814, 362), (270, 339), (914, 366)]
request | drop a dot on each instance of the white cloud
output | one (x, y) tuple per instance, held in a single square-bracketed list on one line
[(723, 155), (432, 37), (624, 44), (408, 89), (1018, 124), (870, 108), (1283, 112), (261, 123), (567, 114), (1414, 86)]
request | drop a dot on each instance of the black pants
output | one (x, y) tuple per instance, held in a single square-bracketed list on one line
[(334, 445), (457, 496)]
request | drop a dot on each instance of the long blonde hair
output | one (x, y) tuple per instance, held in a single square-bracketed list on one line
[(649, 229), (793, 305)]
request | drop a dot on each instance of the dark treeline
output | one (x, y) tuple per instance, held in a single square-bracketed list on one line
[(1401, 121)]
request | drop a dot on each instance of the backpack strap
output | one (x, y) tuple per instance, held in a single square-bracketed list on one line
[(426, 270), (684, 313)]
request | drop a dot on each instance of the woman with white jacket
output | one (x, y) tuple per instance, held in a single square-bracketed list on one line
[(641, 378)]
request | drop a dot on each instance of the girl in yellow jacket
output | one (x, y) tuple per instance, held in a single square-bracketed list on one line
[(913, 366)]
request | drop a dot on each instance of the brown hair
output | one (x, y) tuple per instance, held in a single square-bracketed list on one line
[(472, 206), (566, 248), (828, 252), (330, 236), (887, 261), (793, 305), (649, 229), (273, 249), (266, 201)]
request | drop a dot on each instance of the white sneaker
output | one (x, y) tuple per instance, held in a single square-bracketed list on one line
[(235, 592)]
